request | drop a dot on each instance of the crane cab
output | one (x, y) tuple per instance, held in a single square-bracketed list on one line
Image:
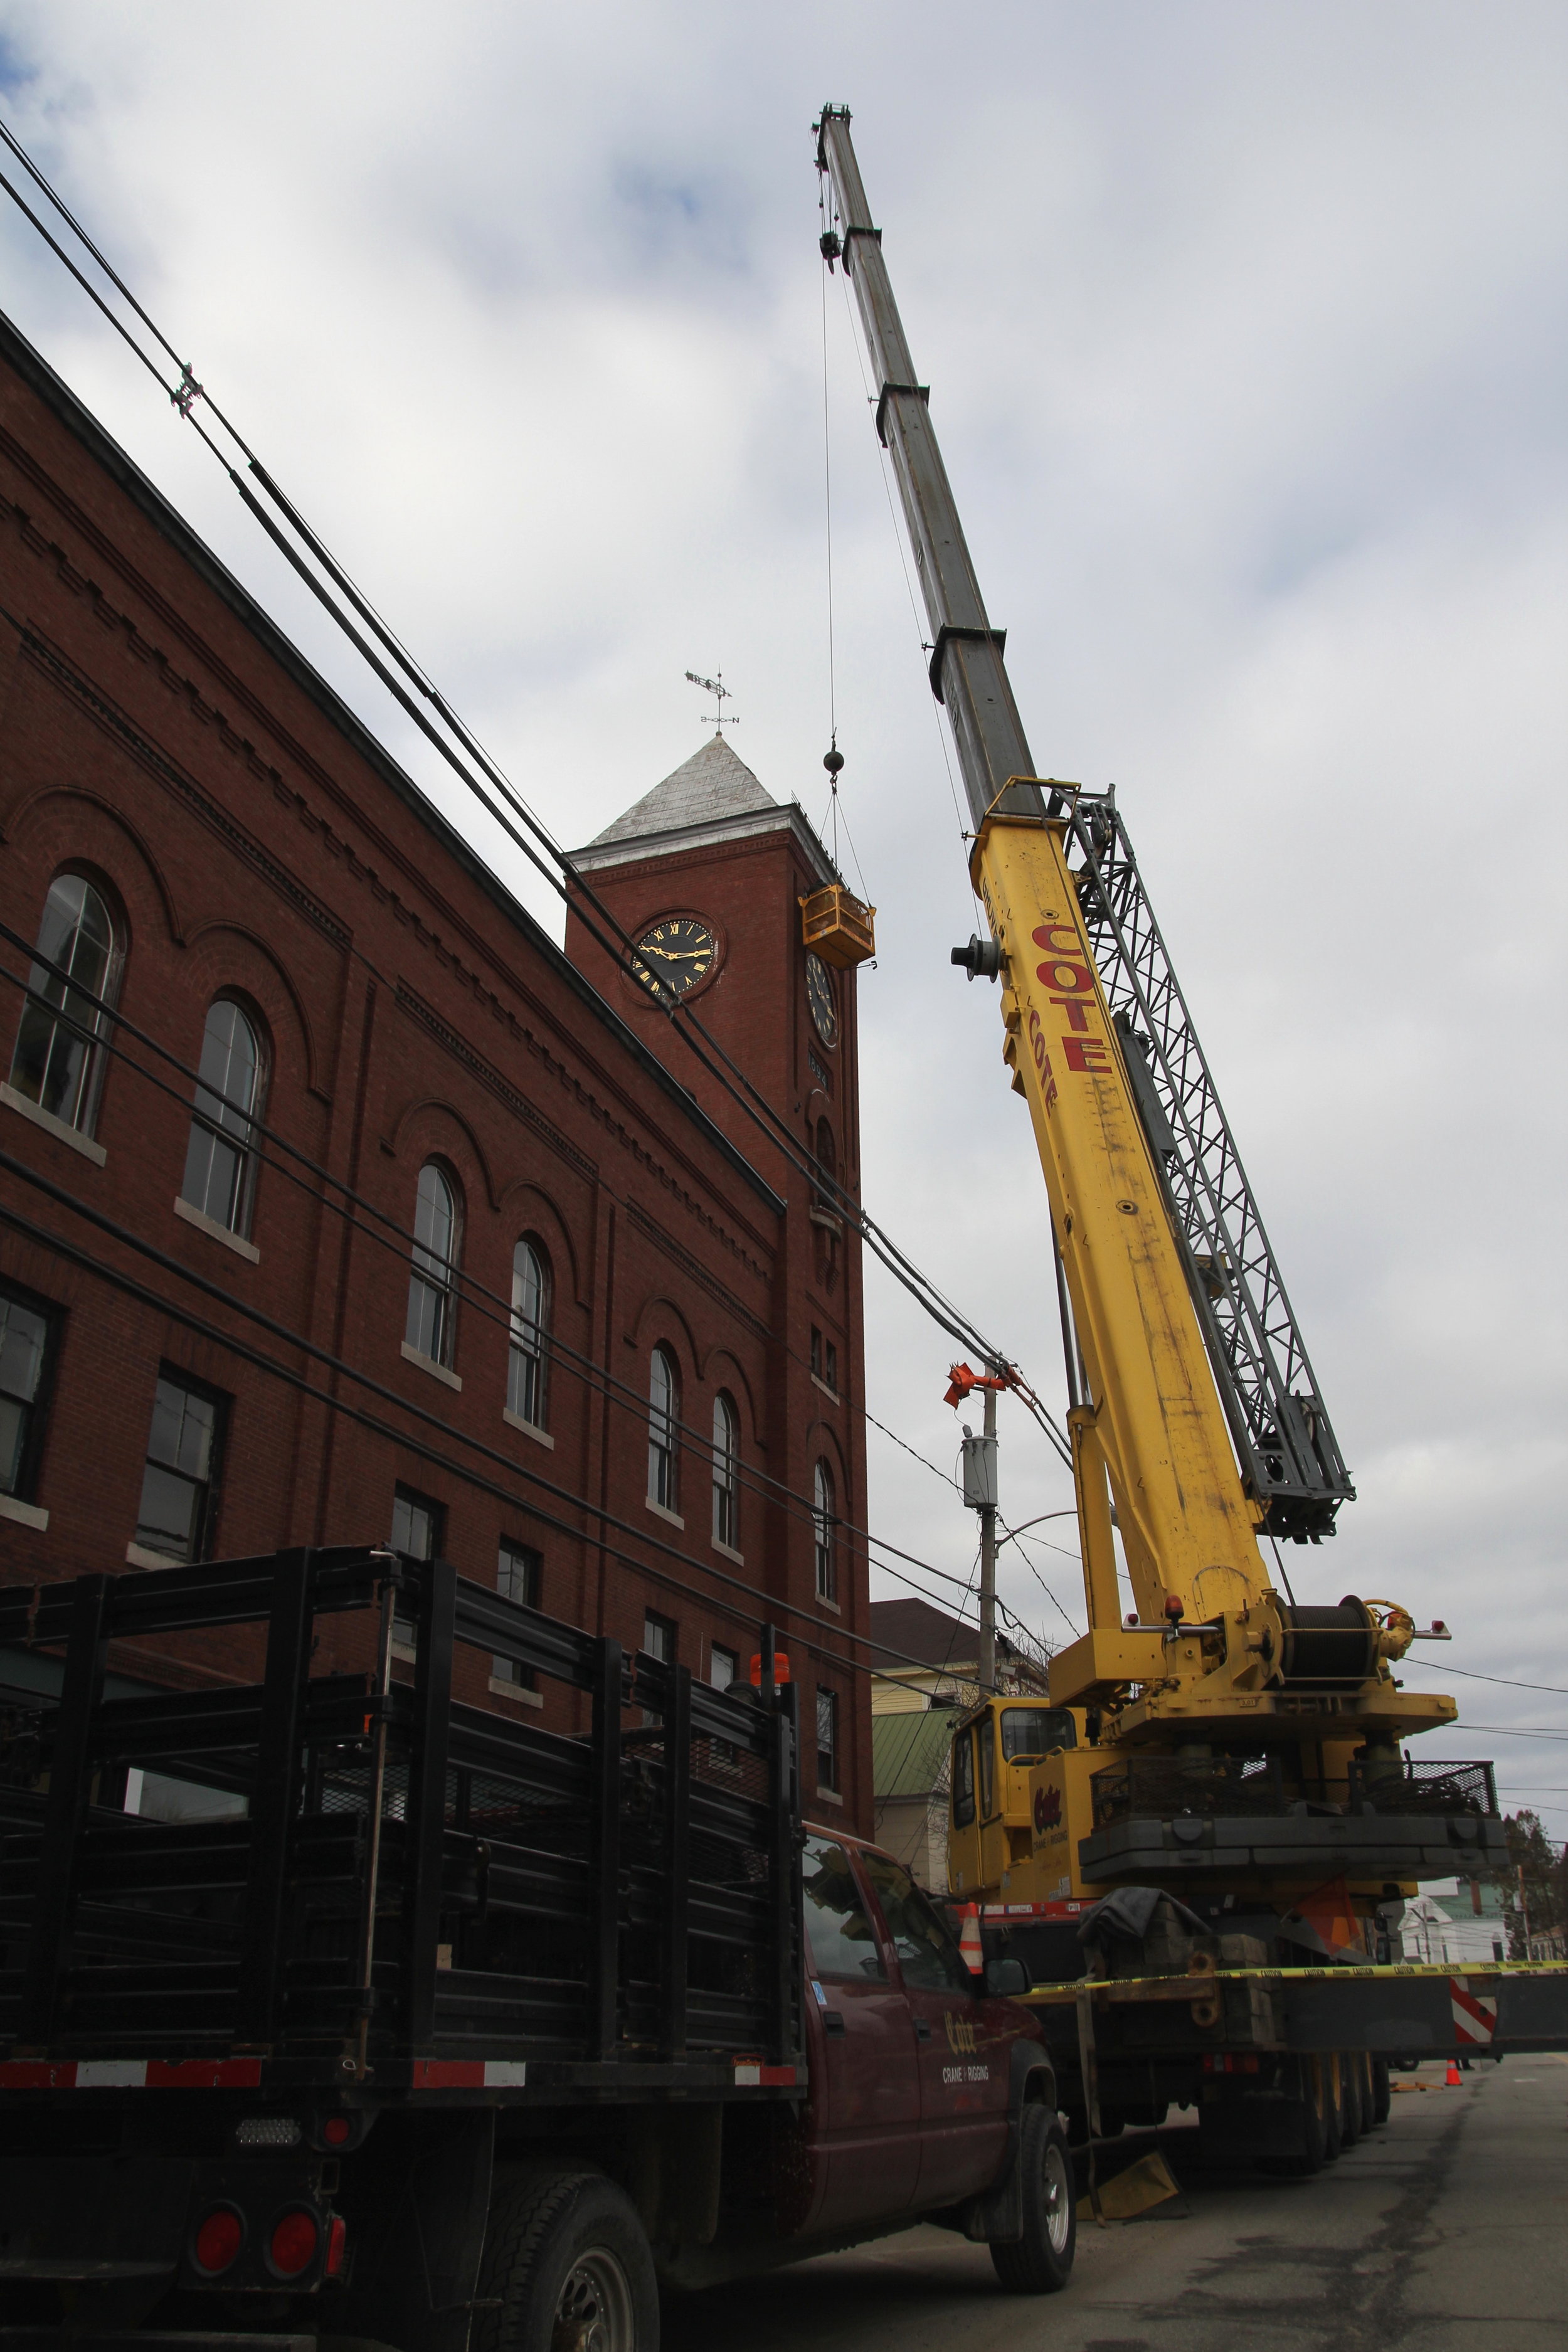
[(1017, 1802)]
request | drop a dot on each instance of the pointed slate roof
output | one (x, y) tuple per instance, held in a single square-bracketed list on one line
[(713, 783)]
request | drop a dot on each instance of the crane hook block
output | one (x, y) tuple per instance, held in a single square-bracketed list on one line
[(981, 958)]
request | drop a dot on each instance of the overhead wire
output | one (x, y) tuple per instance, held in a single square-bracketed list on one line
[(596, 1512), (574, 890), (598, 1380)]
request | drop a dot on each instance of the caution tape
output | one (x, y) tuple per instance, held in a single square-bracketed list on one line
[(1192, 1986)]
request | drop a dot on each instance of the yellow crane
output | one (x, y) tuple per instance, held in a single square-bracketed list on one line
[(1222, 1742)]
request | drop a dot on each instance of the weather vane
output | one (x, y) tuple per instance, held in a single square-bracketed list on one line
[(721, 695)]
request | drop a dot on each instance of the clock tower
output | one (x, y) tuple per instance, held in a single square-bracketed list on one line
[(735, 908)]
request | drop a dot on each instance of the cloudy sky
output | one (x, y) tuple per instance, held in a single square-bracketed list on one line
[(1244, 332)]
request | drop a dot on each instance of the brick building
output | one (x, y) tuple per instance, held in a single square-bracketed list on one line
[(370, 1211)]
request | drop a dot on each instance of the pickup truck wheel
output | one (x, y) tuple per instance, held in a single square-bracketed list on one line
[(1041, 2261), (566, 2267)]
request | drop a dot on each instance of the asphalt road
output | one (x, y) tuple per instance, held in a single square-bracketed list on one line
[(1446, 2231)]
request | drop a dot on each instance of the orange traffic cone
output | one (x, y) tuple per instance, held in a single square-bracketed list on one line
[(1453, 2080), (969, 1942)]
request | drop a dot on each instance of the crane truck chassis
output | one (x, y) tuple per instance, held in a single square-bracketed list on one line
[(1217, 1788)]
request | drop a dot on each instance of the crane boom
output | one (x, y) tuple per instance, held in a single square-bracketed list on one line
[(1195, 1364), (1225, 1744)]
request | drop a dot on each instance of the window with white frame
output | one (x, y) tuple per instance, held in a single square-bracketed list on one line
[(663, 1422), (519, 1576), (220, 1158), (525, 1384), (726, 1473), (418, 1524), (432, 1283), (56, 1062), (179, 1479), (29, 1330), (825, 1533)]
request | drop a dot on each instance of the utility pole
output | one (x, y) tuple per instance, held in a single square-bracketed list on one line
[(980, 1495), (1523, 1908), (988, 1555)]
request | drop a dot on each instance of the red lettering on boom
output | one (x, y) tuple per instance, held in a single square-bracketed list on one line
[(1046, 937), (1086, 1052), (1079, 980)]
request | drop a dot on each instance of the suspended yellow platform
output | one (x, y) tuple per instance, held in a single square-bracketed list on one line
[(839, 927)]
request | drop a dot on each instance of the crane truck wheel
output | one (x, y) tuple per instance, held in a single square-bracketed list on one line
[(1381, 2098), (1350, 2100), (1300, 2142), (1358, 2080), (1330, 2099), (565, 2262), (1041, 2261)]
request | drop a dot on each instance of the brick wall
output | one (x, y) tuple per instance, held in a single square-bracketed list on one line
[(158, 736)]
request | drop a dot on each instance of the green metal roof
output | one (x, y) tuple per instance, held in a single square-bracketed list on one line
[(908, 1752)]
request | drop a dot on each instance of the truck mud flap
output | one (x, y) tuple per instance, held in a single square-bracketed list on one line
[(416, 2199)]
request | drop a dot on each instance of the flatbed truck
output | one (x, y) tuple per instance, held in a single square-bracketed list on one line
[(459, 2030)]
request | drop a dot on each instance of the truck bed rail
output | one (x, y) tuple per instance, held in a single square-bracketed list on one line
[(408, 1879)]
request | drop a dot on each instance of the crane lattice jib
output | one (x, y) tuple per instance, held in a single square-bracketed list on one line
[(1284, 1441)]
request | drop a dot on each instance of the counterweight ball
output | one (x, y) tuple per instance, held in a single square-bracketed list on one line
[(833, 761)]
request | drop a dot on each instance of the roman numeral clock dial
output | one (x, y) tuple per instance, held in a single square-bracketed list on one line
[(674, 955)]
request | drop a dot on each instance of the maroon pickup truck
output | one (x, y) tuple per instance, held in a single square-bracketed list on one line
[(931, 2096)]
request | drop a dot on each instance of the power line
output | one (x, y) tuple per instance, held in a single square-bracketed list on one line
[(397, 1241), (573, 889), (594, 1512)]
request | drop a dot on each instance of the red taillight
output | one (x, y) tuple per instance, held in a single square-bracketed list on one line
[(218, 2240), (337, 2246), (335, 2130), (295, 2237)]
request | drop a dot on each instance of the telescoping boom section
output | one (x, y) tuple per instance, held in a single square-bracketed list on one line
[(1197, 1429)]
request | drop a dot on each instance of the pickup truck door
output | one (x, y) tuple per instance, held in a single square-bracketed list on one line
[(869, 2104), (964, 2062)]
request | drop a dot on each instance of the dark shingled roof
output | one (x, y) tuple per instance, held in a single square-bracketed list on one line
[(913, 1628)]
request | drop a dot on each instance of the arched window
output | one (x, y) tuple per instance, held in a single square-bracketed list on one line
[(56, 1062), (726, 1473), (663, 1417), (438, 1237), (220, 1159), (525, 1392), (825, 1533)]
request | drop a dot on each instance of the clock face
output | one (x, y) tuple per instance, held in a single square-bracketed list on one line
[(819, 996), (675, 955)]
